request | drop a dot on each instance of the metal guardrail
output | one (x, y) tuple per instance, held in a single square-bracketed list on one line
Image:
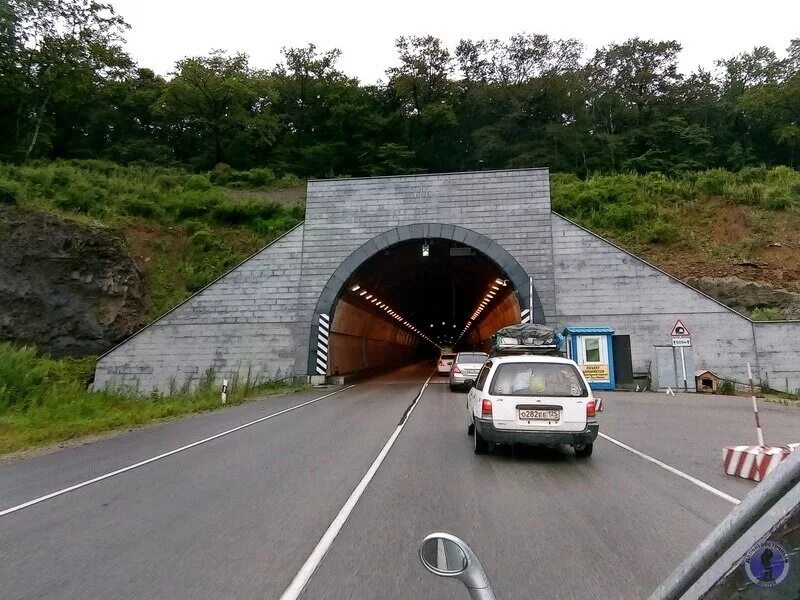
[(754, 506)]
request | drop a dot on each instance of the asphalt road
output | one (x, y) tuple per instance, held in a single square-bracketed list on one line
[(238, 516)]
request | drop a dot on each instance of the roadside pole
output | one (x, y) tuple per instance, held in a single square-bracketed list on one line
[(530, 296), (683, 367), (759, 432)]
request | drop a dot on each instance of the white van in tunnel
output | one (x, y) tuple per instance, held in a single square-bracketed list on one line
[(528, 399)]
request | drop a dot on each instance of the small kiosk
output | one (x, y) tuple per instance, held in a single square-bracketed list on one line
[(591, 348)]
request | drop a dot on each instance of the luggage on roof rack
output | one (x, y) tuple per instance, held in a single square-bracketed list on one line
[(527, 338)]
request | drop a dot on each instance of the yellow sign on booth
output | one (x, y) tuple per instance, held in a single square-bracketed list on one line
[(595, 372)]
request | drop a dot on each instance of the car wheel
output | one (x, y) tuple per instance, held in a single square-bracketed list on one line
[(452, 388), (481, 446), (584, 450), (471, 429)]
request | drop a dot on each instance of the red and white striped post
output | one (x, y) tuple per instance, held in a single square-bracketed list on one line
[(759, 432)]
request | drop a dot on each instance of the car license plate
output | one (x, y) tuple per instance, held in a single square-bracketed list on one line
[(539, 415)]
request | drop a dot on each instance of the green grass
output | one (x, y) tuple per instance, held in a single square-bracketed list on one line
[(45, 400), (647, 209), (766, 313)]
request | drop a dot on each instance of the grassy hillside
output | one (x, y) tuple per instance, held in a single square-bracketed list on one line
[(184, 228), (710, 223)]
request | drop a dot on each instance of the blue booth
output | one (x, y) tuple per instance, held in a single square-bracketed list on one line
[(591, 348)]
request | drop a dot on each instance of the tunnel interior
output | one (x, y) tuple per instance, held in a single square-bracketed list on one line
[(411, 300)]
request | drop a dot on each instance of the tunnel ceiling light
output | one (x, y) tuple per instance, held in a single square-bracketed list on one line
[(355, 288), (495, 287), (500, 282), (368, 297), (426, 249), (363, 292)]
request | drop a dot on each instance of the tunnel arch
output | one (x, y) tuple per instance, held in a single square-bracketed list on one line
[(331, 293)]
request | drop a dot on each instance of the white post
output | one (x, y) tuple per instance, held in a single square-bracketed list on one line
[(683, 367), (759, 432), (530, 296), (224, 391)]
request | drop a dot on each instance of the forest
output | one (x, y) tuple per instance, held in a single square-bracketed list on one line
[(69, 90)]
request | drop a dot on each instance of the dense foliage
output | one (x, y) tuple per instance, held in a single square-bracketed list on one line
[(69, 90)]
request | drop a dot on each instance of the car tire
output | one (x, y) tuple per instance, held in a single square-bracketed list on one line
[(584, 450), (471, 429), (481, 446), (452, 388)]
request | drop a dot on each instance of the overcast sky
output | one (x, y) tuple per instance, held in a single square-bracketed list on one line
[(164, 31)]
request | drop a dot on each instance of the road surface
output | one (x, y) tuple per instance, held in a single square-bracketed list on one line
[(239, 515)]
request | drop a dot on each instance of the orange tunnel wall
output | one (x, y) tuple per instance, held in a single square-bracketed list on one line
[(361, 341), (505, 313)]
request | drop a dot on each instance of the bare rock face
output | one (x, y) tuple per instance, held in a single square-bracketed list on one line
[(745, 296), (69, 288)]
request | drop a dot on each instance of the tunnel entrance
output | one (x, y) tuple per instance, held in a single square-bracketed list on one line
[(393, 304)]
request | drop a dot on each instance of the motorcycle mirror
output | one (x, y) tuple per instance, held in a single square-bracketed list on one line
[(446, 555), (443, 556)]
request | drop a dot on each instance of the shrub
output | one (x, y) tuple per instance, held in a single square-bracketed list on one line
[(261, 177), (80, 197), (726, 388), (661, 232), (780, 200), (195, 203), (140, 207), (713, 182), (197, 182), (766, 313), (9, 192), (230, 213), (751, 194), (202, 240), (289, 180), (166, 183)]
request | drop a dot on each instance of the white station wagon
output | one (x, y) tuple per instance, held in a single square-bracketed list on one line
[(529, 399)]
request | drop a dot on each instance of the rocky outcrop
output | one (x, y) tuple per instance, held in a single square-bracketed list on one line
[(745, 296), (69, 288)]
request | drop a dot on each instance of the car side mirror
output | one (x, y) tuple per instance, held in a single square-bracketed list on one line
[(470, 383), (446, 555)]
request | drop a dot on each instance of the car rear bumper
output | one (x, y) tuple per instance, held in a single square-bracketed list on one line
[(460, 378), (490, 433)]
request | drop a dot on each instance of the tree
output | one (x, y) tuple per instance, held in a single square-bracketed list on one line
[(57, 54), (219, 96)]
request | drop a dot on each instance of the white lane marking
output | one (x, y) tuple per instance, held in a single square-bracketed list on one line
[(679, 473), (77, 486), (315, 558)]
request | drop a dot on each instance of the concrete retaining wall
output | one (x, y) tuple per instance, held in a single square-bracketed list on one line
[(599, 284), (244, 324), (779, 354)]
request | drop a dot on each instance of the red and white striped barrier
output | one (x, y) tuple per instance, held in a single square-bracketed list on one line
[(754, 462)]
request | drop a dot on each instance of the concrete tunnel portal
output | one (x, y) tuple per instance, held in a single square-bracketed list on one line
[(393, 304)]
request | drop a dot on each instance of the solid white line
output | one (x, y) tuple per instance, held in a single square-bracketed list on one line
[(77, 486), (679, 473), (315, 558)]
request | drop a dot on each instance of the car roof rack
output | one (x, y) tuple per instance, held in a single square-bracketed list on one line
[(521, 350)]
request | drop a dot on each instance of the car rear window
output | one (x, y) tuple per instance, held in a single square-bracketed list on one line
[(466, 357), (538, 379)]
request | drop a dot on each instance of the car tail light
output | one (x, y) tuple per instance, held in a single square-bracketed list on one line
[(486, 407), (456, 369), (591, 410)]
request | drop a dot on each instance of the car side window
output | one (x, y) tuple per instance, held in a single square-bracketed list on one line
[(482, 376)]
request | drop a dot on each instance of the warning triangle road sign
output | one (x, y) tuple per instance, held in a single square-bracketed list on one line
[(679, 330)]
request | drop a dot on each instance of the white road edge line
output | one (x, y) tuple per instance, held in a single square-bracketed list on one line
[(77, 486), (678, 472), (315, 558)]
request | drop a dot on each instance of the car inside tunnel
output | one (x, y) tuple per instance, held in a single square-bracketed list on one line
[(411, 300)]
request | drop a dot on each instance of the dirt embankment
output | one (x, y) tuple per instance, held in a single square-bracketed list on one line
[(68, 287)]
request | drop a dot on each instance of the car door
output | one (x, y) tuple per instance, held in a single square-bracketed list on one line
[(474, 394)]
